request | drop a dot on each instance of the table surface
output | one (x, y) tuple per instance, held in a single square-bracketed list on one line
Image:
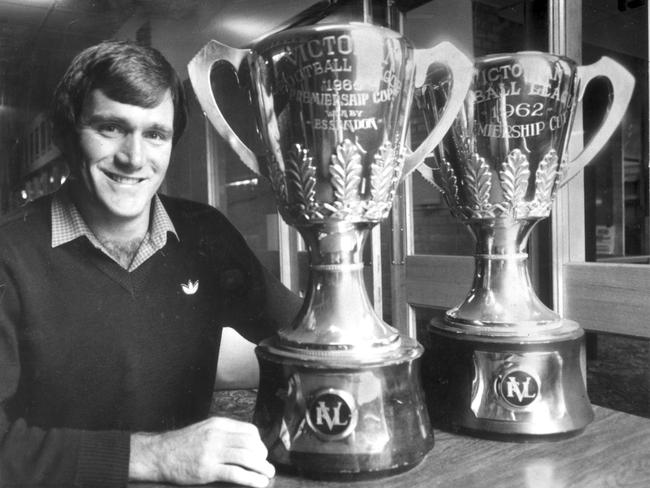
[(613, 451)]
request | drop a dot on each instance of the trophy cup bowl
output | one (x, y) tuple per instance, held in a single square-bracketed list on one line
[(502, 363), (340, 393)]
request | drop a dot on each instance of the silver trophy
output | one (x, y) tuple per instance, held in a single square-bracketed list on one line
[(339, 393), (502, 363)]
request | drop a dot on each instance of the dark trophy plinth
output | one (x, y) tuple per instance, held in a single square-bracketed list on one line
[(340, 392), (515, 388), (360, 419), (503, 364)]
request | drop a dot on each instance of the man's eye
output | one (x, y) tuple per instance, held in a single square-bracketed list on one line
[(158, 135), (110, 129)]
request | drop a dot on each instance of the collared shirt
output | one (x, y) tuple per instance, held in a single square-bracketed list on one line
[(68, 224)]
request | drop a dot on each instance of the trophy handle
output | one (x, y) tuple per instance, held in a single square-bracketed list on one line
[(199, 69), (461, 70), (622, 83)]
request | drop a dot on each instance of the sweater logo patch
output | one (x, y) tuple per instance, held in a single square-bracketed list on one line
[(191, 287)]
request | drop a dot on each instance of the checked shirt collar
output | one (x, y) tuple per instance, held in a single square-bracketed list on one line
[(68, 225)]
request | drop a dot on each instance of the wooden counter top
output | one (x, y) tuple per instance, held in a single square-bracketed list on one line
[(613, 451)]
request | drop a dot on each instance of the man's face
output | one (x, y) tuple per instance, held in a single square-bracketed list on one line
[(124, 151)]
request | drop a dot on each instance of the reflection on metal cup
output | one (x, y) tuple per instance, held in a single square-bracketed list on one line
[(331, 109), (499, 169), (332, 104)]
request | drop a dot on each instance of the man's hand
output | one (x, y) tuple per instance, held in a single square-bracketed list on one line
[(217, 449)]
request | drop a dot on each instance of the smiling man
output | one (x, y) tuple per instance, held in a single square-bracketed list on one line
[(113, 298), (125, 151)]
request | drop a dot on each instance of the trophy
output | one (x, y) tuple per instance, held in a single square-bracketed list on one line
[(340, 392), (502, 363)]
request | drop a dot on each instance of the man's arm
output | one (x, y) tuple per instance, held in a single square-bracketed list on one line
[(272, 307), (30, 456), (216, 449), (282, 304)]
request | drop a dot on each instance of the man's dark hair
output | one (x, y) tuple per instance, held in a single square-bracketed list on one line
[(125, 72)]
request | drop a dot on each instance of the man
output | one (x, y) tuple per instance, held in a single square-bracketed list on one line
[(112, 299)]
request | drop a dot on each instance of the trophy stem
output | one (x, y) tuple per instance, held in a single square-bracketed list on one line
[(502, 300), (337, 315)]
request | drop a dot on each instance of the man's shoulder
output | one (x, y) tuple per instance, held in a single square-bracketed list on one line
[(181, 210), (189, 216), (24, 229), (27, 216)]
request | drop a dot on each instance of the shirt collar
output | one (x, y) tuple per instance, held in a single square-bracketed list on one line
[(68, 225)]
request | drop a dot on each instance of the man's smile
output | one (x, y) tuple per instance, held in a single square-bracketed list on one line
[(124, 180)]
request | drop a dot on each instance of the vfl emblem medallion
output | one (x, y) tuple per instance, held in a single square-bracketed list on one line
[(518, 388), (191, 287), (332, 414)]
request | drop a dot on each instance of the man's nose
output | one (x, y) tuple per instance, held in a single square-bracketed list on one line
[(131, 151)]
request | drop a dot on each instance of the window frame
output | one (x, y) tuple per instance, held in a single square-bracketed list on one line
[(602, 297)]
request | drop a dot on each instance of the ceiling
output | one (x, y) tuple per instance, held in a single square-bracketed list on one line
[(38, 38)]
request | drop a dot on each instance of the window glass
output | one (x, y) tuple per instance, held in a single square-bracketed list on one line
[(616, 181)]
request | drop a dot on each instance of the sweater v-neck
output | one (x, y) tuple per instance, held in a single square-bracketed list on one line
[(132, 281)]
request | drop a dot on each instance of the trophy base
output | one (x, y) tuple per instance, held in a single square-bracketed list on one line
[(517, 388), (326, 415)]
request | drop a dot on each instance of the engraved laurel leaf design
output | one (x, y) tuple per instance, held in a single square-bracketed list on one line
[(462, 140), (445, 178), (478, 182), (278, 183), (301, 176), (346, 169), (514, 176), (545, 178), (382, 173)]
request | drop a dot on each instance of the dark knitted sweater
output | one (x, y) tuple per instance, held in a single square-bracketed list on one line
[(90, 352)]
